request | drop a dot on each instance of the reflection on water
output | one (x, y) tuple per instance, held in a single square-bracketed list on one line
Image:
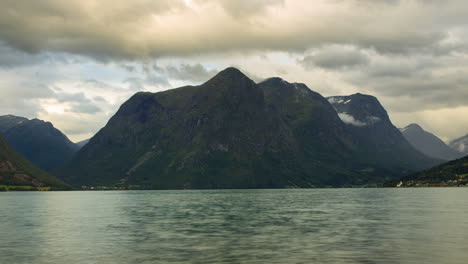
[(236, 226)]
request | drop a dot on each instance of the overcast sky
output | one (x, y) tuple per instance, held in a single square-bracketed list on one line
[(74, 62)]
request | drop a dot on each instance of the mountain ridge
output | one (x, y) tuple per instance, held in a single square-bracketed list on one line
[(370, 123), (38, 141), (228, 132), (428, 143)]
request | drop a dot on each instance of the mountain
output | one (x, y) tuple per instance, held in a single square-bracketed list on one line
[(382, 142), (428, 143), (230, 133), (460, 144), (9, 121), (17, 171), (453, 173), (38, 141)]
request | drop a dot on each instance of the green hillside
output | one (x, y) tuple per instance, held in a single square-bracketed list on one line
[(16, 173), (453, 173)]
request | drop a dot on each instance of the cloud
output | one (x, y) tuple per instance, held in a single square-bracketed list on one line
[(350, 120), (10, 57), (243, 8), (78, 103), (161, 76), (195, 72), (145, 29), (414, 82), (335, 57), (22, 99), (84, 108), (406, 83)]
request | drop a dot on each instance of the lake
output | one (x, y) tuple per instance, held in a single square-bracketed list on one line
[(425, 225)]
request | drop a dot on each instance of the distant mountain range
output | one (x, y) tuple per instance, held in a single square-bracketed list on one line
[(17, 171), (38, 141), (428, 143), (233, 133)]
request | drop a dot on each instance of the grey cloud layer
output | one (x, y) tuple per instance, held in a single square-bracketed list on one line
[(148, 28), (420, 81)]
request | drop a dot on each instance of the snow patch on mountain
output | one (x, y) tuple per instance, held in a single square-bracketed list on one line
[(373, 119), (338, 100), (335, 100)]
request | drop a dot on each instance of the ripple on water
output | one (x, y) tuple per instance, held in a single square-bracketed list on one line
[(236, 226)]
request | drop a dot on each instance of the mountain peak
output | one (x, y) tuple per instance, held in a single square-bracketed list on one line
[(276, 80), (10, 116), (428, 143), (9, 121), (39, 122), (40, 142), (232, 81), (364, 96), (230, 73), (413, 126), (361, 107)]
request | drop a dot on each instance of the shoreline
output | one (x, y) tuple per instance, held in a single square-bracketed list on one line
[(12, 188)]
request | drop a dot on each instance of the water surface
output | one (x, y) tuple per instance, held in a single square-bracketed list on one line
[(236, 226)]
